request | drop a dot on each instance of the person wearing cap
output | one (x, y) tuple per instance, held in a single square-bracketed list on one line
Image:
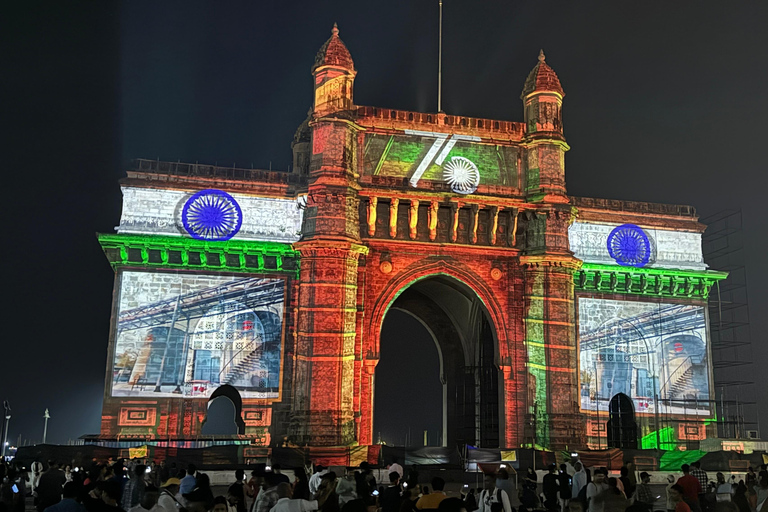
[(643, 494), (167, 501)]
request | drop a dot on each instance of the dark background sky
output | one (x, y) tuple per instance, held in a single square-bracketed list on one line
[(665, 102)]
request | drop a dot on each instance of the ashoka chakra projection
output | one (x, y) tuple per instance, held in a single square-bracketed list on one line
[(461, 174), (212, 215), (629, 246)]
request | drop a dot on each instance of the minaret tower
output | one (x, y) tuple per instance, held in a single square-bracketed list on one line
[(323, 412), (548, 265), (543, 101)]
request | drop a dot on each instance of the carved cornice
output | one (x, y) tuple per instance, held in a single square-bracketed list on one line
[(171, 252), (651, 282)]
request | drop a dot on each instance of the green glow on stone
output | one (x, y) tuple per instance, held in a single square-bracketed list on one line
[(212, 255), (666, 436), (650, 282)]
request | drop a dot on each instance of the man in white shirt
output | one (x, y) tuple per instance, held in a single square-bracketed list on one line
[(314, 480), (579, 479), (490, 495), (286, 504), (395, 467)]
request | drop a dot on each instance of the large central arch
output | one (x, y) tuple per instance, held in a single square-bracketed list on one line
[(460, 327)]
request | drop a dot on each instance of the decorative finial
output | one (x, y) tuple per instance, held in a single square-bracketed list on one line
[(541, 56), (335, 30)]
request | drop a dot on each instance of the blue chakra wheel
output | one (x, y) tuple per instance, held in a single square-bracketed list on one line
[(212, 215), (629, 246)]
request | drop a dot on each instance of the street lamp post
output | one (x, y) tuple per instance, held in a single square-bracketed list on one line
[(7, 408), (45, 428)]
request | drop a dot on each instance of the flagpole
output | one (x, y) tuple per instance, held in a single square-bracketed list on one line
[(440, 63)]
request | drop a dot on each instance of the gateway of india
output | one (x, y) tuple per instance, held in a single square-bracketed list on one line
[(560, 321)]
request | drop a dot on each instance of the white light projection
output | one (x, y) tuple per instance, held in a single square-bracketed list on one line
[(669, 249), (159, 212)]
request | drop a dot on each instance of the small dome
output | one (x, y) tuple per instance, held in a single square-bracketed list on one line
[(542, 78), (334, 53)]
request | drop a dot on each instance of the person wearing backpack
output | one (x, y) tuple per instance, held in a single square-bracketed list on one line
[(595, 488), (493, 499)]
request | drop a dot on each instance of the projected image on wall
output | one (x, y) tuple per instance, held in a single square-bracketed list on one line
[(643, 350), (183, 334)]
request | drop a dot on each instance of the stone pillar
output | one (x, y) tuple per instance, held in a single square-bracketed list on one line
[(549, 317), (325, 344)]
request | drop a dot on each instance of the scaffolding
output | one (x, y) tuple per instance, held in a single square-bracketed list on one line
[(731, 344)]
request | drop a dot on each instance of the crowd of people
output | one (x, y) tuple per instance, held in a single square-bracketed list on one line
[(129, 486)]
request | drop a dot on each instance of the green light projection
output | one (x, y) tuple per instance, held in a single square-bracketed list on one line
[(186, 253)]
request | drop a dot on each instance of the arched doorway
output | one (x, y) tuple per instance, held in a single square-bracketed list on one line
[(622, 427), (458, 323), (225, 413)]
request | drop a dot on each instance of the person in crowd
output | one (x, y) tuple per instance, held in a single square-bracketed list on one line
[(188, 482), (277, 469), (389, 498), (167, 501), (702, 477), (408, 499), (491, 498), (632, 475), (346, 488), (105, 497), (676, 494), (671, 480), (396, 467), (163, 472), (751, 477), (452, 505), (37, 472), (579, 480), (761, 490), (740, 497), (724, 490), (327, 499), (595, 488), (564, 484), (255, 483), (691, 488), (314, 480), (268, 497), (50, 486), (550, 487), (531, 479), (69, 503), (505, 483), (626, 485), (287, 503), (575, 505), (134, 489), (432, 500), (236, 492), (148, 501), (199, 499), (300, 485), (219, 504), (612, 499), (643, 494), (471, 500)]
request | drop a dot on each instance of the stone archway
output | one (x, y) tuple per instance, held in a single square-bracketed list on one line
[(460, 326), (622, 427)]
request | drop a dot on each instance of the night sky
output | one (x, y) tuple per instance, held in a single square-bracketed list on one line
[(665, 102)]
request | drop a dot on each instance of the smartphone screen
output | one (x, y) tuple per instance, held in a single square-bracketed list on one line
[(14, 488)]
